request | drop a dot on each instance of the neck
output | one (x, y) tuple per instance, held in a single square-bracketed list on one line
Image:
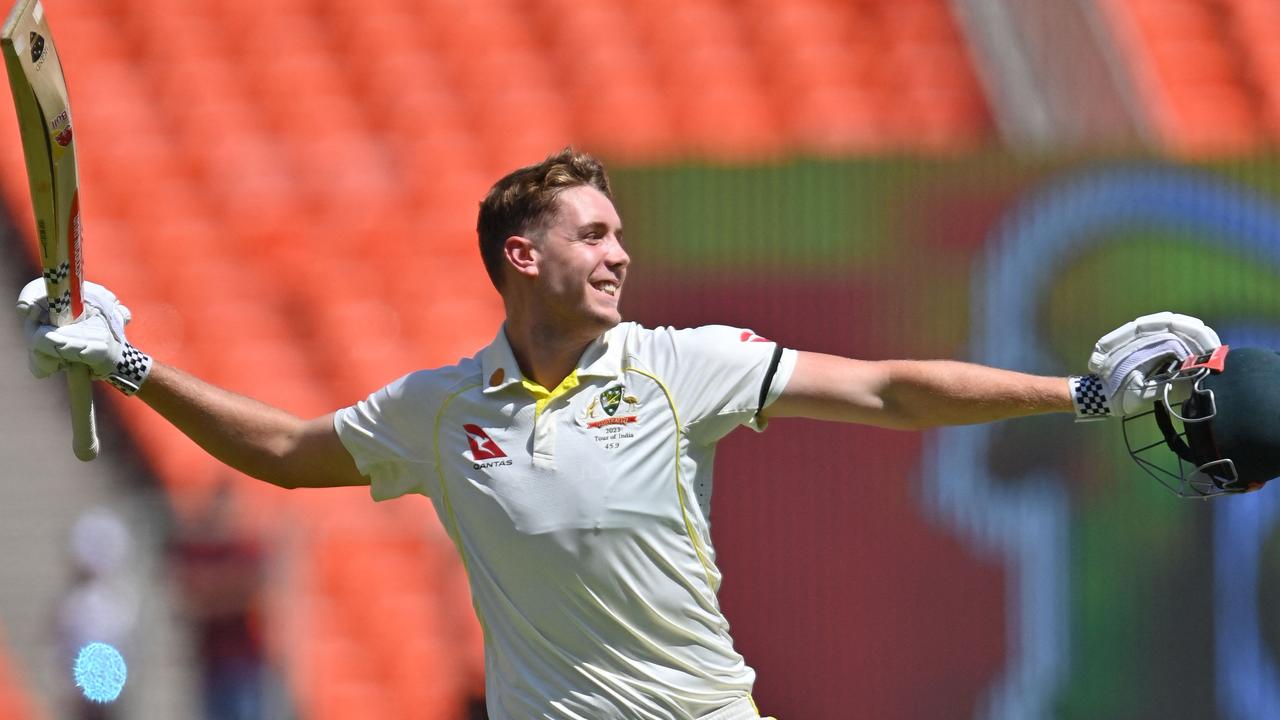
[(546, 354)]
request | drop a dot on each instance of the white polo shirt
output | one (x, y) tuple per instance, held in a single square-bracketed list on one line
[(583, 514)]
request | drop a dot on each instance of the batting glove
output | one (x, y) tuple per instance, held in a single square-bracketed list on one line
[(1125, 359), (97, 339)]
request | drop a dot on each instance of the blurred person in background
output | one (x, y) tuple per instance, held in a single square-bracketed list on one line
[(219, 575), (570, 460), (101, 604)]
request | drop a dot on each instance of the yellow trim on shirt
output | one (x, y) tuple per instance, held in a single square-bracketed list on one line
[(542, 396), (684, 510)]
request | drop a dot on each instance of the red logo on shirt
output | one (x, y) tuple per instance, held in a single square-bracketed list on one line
[(748, 336), (482, 446)]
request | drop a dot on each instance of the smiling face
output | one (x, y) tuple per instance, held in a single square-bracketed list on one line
[(579, 263)]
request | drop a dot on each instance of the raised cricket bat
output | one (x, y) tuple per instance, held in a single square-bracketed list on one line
[(44, 120)]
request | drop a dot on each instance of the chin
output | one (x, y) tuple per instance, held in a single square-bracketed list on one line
[(605, 320), (608, 322)]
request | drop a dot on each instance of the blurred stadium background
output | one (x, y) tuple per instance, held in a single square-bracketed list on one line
[(284, 193)]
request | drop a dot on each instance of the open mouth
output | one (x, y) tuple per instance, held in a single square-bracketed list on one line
[(608, 287)]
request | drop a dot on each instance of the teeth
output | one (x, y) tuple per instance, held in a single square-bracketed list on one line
[(608, 288)]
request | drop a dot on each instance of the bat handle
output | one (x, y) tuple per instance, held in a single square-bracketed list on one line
[(84, 433)]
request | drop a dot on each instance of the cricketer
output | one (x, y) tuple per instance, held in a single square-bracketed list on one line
[(570, 459)]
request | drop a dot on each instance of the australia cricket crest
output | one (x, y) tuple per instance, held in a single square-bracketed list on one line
[(609, 400), (608, 415)]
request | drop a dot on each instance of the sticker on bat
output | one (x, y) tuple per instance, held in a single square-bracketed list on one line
[(62, 124), (37, 48)]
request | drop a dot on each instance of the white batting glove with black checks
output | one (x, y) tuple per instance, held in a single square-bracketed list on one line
[(1125, 359), (97, 339)]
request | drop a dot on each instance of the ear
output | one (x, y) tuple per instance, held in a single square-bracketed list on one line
[(522, 255)]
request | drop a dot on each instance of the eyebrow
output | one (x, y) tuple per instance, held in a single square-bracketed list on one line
[(600, 227)]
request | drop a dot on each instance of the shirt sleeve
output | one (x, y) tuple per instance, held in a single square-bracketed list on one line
[(388, 437), (721, 377)]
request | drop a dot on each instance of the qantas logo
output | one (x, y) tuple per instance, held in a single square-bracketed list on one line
[(748, 336), (484, 448)]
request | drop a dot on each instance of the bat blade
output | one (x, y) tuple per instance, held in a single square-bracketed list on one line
[(48, 144)]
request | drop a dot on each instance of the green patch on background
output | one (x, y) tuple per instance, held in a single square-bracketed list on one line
[(824, 216), (801, 215), (1145, 271)]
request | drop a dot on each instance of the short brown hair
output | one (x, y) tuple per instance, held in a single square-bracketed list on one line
[(524, 201)]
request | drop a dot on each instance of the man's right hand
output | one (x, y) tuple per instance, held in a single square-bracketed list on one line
[(96, 340), (255, 438)]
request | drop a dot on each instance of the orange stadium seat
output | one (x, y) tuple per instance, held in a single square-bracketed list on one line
[(1195, 71), (406, 633), (1253, 23), (1262, 53), (917, 22), (204, 80), (1216, 119), (356, 29), (343, 685), (835, 119), (88, 36), (402, 87), (727, 120), (112, 98), (1254, 16), (1174, 19), (615, 102), (871, 75), (462, 32), (175, 32), (624, 121)]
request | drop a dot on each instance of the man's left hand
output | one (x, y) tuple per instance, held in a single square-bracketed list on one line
[(1126, 358)]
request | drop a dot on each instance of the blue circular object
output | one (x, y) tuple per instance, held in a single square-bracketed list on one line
[(100, 672)]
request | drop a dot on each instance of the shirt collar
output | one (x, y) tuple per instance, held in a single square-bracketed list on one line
[(602, 358)]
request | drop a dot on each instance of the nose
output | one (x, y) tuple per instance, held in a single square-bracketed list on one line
[(617, 258)]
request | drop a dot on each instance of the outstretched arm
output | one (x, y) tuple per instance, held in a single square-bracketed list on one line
[(255, 438), (252, 437), (913, 394)]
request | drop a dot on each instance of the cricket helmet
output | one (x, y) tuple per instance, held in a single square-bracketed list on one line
[(1216, 421)]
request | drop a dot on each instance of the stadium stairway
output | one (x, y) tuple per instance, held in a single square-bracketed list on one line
[(43, 493)]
